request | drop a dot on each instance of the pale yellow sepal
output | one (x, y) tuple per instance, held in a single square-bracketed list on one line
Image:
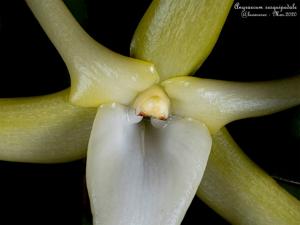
[(45, 129), (217, 103), (177, 36), (98, 75), (240, 191), (103, 76)]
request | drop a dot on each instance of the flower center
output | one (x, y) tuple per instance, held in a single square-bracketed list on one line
[(152, 102)]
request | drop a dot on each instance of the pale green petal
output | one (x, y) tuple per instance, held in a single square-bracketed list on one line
[(217, 103), (140, 174), (98, 75), (240, 191), (45, 129), (177, 36)]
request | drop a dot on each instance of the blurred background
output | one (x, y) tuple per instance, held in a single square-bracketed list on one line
[(249, 49)]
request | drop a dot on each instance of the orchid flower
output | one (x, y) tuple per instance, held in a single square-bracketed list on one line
[(151, 124)]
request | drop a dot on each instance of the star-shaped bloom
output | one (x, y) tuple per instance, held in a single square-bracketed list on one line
[(151, 136)]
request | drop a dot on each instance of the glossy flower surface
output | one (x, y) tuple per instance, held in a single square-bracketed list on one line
[(133, 166)]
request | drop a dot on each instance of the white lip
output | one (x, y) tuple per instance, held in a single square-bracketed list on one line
[(144, 173)]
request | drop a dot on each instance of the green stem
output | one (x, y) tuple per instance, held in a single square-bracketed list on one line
[(241, 192)]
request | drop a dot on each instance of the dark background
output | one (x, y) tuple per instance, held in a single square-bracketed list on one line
[(249, 49)]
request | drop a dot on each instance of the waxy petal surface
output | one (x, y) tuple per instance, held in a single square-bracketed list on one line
[(140, 174), (98, 75), (241, 192), (44, 129), (217, 102), (177, 36)]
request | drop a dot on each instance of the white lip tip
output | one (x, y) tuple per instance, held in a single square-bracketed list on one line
[(132, 117)]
